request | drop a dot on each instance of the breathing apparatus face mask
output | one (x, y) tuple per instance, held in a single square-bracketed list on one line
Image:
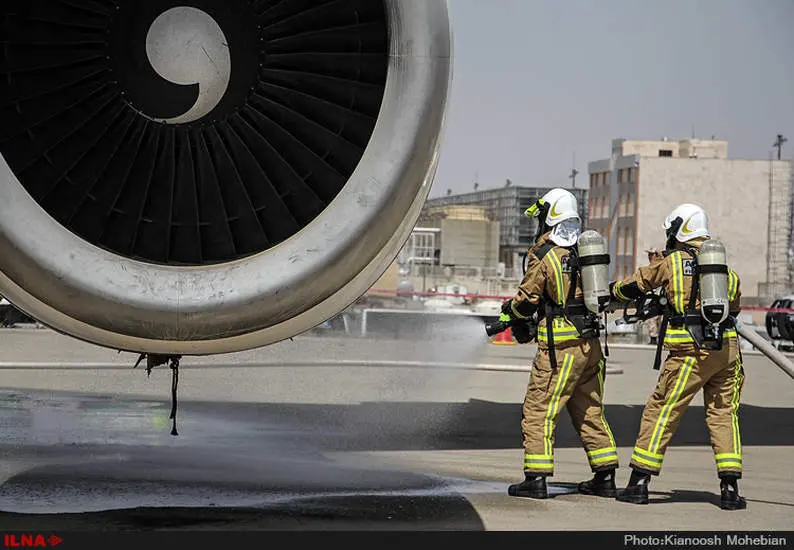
[(672, 231)]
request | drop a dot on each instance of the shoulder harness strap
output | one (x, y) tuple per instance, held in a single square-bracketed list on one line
[(541, 252)]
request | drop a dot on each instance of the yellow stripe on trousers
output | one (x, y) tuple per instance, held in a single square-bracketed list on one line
[(601, 369), (737, 439), (551, 412), (664, 416)]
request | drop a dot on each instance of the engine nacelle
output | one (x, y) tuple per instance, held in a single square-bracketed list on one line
[(196, 177)]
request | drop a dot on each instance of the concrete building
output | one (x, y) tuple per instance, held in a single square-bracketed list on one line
[(465, 237), (505, 205), (748, 203)]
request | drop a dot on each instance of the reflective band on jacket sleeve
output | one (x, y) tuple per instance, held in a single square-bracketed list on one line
[(733, 284), (618, 293)]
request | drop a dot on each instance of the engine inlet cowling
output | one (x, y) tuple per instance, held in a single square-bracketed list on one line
[(207, 176)]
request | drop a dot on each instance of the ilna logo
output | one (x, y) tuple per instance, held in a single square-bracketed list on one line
[(26, 540)]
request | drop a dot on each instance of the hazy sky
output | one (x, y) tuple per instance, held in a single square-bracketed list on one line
[(537, 80)]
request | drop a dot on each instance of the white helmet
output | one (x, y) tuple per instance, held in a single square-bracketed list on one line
[(686, 222), (554, 207)]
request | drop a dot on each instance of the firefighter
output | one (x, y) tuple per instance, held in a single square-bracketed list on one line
[(700, 357), (569, 368), (652, 325)]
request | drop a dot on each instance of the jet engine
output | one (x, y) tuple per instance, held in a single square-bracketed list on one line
[(195, 177)]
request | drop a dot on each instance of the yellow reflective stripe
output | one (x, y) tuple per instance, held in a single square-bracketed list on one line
[(737, 440), (618, 293), (648, 454), (728, 460), (678, 282), (641, 460), (647, 458), (661, 423), (605, 450), (561, 330), (732, 284), (601, 372), (611, 458), (676, 335), (515, 311), (558, 330), (560, 334), (555, 263), (599, 456), (545, 338), (728, 455), (538, 462), (538, 466), (551, 411)]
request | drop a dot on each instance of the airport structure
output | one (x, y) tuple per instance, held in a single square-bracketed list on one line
[(505, 205), (455, 236), (749, 203)]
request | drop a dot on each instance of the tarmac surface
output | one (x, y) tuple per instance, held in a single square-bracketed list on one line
[(331, 433)]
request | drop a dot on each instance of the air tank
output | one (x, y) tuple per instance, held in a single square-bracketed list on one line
[(594, 266), (713, 274)]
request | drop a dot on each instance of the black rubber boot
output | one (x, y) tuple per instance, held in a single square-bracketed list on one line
[(729, 494), (602, 485), (533, 486), (636, 492)]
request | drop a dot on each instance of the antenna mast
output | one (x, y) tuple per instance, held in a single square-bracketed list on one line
[(779, 144), (574, 172)]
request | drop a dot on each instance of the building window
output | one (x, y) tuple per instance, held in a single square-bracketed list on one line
[(629, 243), (665, 152)]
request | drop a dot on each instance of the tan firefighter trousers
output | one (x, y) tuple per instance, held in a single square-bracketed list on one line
[(685, 372), (578, 384)]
